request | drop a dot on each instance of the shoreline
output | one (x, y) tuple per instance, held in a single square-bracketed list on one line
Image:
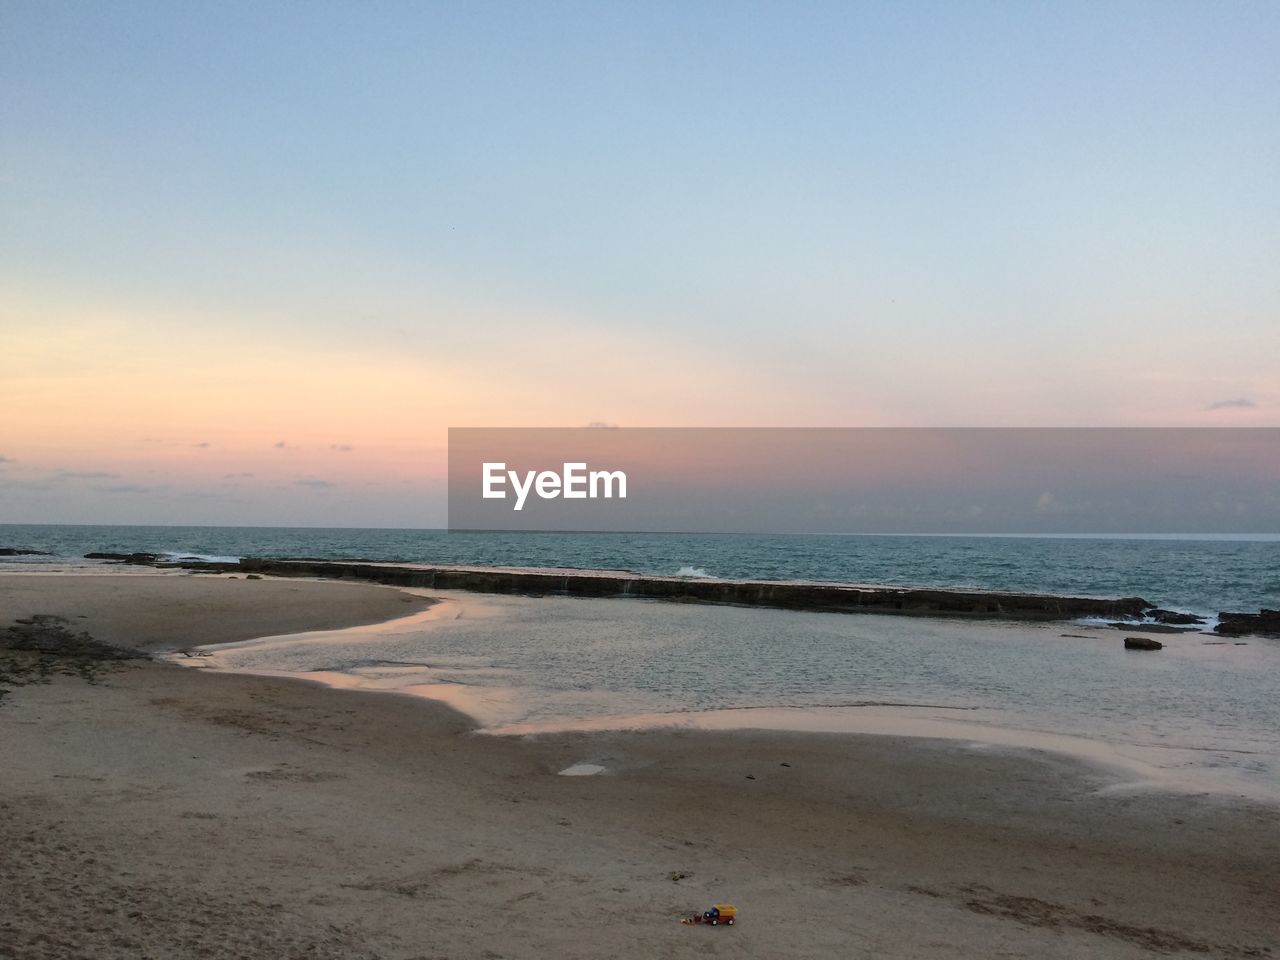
[(233, 612), (1176, 573), (493, 713), (489, 712), (384, 827), (504, 709), (816, 595)]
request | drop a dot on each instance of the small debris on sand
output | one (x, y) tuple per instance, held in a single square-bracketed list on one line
[(582, 770), (37, 648)]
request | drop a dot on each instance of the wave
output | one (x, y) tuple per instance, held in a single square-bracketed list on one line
[(694, 572)]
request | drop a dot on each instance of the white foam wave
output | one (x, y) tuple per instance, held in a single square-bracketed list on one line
[(698, 572)]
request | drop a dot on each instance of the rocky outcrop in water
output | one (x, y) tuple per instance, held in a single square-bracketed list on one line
[(790, 595), (20, 552), (1154, 628), (1173, 618), (150, 559), (1264, 623)]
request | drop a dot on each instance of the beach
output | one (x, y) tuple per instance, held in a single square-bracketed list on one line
[(169, 812)]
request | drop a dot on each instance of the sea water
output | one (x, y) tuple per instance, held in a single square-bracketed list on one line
[(1204, 712), (1202, 575), (1201, 713)]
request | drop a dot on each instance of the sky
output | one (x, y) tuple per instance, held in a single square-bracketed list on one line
[(256, 259)]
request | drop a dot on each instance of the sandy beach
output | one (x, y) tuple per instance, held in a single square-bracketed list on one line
[(170, 813)]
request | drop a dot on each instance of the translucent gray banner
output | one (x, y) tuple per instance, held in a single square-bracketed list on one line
[(848, 480)]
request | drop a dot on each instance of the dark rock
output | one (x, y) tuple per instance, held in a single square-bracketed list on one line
[(787, 595), (1173, 617), (200, 566), (1153, 628), (136, 558), (1142, 643), (252, 576), (19, 552), (1264, 623)]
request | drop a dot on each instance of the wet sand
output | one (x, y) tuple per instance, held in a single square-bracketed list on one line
[(162, 812), (154, 610)]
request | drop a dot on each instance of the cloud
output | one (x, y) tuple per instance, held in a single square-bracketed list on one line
[(341, 447), (126, 488), (1240, 403), (601, 425), (279, 444), (203, 444), (315, 483), (37, 486), (4, 459), (1048, 503), (83, 475), (236, 476)]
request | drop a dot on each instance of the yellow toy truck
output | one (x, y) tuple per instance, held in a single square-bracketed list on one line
[(724, 913), (721, 913)]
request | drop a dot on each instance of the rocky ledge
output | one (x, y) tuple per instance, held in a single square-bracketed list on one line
[(142, 559), (790, 595), (1264, 623)]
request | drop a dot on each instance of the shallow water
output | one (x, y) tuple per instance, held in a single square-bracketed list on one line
[(1202, 713)]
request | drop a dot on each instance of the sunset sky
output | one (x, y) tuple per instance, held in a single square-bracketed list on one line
[(256, 258)]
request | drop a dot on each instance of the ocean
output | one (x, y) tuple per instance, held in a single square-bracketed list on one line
[(1198, 575), (1202, 714)]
